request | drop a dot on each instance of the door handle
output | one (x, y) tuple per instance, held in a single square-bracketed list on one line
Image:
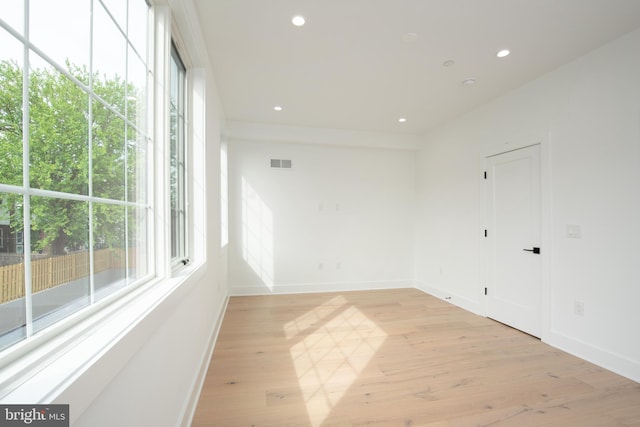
[(534, 250)]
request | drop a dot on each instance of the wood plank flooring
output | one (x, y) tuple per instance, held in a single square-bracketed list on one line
[(396, 358)]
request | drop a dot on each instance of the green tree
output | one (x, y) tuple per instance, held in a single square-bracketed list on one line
[(63, 122), (10, 123)]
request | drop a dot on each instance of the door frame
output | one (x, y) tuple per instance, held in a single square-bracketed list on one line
[(545, 221)]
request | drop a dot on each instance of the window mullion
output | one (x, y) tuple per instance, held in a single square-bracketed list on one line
[(183, 162), (25, 182), (161, 142), (127, 277), (90, 160)]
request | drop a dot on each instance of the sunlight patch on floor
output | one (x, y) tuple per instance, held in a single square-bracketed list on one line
[(334, 343)]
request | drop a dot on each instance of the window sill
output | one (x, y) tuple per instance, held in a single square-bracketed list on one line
[(74, 364)]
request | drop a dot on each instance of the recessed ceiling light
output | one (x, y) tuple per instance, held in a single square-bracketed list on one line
[(277, 108), (448, 63), (402, 119), (503, 53), (298, 21), (469, 82)]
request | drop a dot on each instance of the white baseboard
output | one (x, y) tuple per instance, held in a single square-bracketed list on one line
[(613, 362), (192, 402), (460, 301), (318, 287)]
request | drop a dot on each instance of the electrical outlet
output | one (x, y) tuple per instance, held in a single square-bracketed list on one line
[(574, 231), (578, 308)]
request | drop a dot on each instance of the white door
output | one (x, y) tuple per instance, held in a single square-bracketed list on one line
[(514, 284)]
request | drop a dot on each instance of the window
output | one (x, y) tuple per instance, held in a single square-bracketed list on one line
[(177, 166), (74, 144)]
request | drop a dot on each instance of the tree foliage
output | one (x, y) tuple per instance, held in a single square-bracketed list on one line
[(66, 130)]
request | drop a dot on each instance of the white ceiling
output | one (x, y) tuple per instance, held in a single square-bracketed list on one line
[(349, 68)]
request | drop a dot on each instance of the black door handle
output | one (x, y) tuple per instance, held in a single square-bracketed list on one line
[(534, 250)]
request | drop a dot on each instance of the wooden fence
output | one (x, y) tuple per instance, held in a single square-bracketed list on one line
[(49, 272)]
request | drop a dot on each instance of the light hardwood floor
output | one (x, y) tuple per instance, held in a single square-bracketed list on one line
[(396, 358)]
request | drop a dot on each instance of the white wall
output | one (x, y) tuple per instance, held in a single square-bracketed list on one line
[(340, 218), (588, 115)]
